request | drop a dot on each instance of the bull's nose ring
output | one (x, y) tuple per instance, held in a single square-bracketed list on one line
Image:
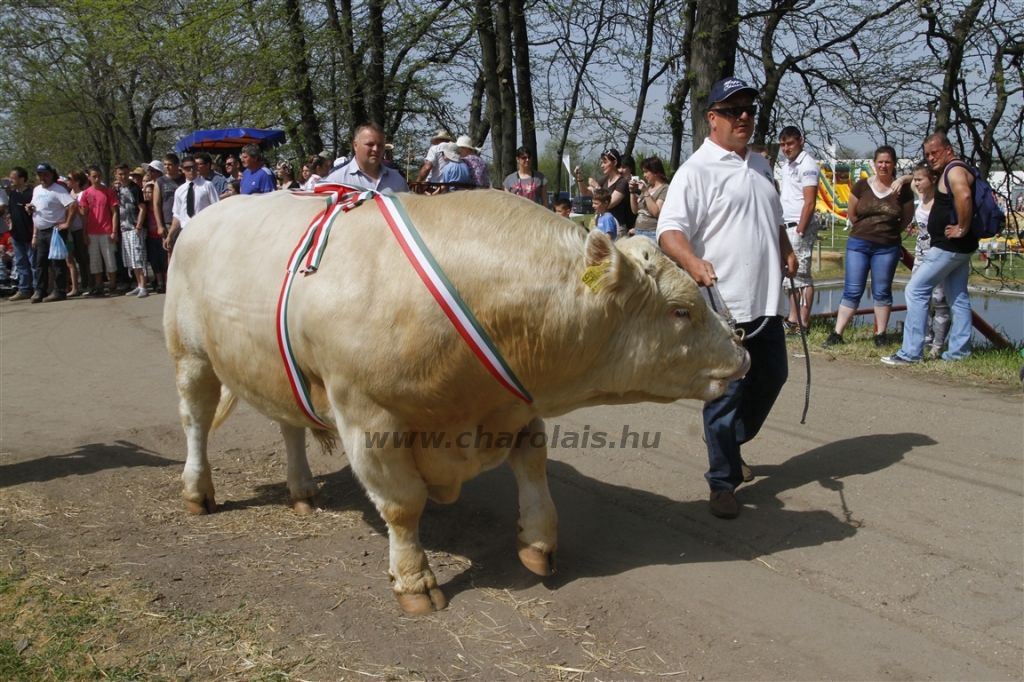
[(740, 333)]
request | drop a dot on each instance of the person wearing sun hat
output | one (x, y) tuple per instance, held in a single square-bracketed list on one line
[(456, 170), (137, 175), (471, 156), (435, 163), (722, 221)]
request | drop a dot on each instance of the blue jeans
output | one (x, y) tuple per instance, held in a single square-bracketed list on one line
[(951, 270), (737, 416), (25, 264), (861, 256)]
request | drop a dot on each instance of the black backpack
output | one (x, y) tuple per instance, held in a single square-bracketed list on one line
[(988, 219)]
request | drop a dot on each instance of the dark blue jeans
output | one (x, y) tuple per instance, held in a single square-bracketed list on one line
[(736, 417)]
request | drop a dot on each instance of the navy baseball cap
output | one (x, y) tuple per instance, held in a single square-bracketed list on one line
[(726, 88), (45, 168)]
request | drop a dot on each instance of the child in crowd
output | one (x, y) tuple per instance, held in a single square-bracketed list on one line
[(923, 184), (604, 220), (563, 207)]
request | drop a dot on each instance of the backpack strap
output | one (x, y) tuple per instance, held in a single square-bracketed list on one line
[(945, 173)]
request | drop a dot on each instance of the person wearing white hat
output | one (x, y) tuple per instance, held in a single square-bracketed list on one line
[(163, 196), (435, 163), (456, 170), (471, 156)]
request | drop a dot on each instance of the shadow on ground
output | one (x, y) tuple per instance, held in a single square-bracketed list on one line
[(84, 460), (607, 529)]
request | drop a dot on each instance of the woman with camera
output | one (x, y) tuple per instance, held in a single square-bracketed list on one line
[(647, 196), (613, 181)]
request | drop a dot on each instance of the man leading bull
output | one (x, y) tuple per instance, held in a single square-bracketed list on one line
[(722, 222)]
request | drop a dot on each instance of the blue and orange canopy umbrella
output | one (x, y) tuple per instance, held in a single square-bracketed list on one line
[(229, 139)]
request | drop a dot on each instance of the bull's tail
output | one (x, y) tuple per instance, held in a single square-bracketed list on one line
[(225, 407), (325, 439)]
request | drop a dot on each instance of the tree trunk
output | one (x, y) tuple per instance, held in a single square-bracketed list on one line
[(479, 124), (310, 140), (506, 81), (341, 25), (375, 87), (653, 7), (712, 58), (681, 91), (521, 41), (956, 43), (489, 74)]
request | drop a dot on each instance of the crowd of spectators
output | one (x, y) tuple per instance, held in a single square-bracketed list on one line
[(119, 237)]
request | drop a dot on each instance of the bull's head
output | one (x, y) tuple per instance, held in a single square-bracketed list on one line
[(671, 344)]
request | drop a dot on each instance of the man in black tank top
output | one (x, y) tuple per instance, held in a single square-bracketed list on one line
[(947, 262)]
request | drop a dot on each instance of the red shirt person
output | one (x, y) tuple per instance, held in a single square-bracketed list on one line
[(98, 203)]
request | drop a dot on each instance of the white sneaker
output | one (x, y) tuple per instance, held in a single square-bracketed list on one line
[(133, 292), (143, 293)]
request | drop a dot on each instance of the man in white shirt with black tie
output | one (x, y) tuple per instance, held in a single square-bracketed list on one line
[(189, 199)]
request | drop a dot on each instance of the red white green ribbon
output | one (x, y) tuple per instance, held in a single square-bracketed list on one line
[(342, 198)]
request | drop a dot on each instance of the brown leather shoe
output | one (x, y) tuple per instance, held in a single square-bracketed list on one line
[(723, 504), (20, 296), (748, 475)]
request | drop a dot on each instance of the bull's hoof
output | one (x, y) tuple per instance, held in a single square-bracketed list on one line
[(207, 506), (541, 563), (422, 604), (308, 507)]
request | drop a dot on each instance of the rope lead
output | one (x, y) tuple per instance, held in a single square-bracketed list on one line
[(807, 355)]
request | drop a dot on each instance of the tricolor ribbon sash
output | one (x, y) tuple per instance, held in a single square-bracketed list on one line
[(305, 260)]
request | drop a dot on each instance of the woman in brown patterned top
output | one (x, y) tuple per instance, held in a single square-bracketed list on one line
[(878, 216)]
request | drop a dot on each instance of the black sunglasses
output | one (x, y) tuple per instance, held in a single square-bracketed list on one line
[(188, 167), (737, 111)]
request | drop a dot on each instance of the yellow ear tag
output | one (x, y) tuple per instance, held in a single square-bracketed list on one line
[(592, 275)]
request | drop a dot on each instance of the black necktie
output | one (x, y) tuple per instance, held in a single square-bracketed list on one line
[(190, 200)]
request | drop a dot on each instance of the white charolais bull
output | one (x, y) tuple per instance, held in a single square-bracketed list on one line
[(379, 354)]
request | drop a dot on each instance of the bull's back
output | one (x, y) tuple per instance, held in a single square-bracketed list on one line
[(365, 319)]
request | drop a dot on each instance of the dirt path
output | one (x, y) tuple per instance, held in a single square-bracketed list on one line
[(883, 540)]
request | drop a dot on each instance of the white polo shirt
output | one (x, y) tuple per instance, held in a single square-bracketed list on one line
[(728, 208), (51, 205), (797, 174)]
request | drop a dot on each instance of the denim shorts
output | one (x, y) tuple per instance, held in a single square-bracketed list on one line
[(880, 260)]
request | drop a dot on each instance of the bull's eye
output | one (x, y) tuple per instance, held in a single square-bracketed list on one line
[(681, 312)]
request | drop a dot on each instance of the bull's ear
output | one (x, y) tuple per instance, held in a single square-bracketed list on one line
[(603, 263), (599, 248)]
